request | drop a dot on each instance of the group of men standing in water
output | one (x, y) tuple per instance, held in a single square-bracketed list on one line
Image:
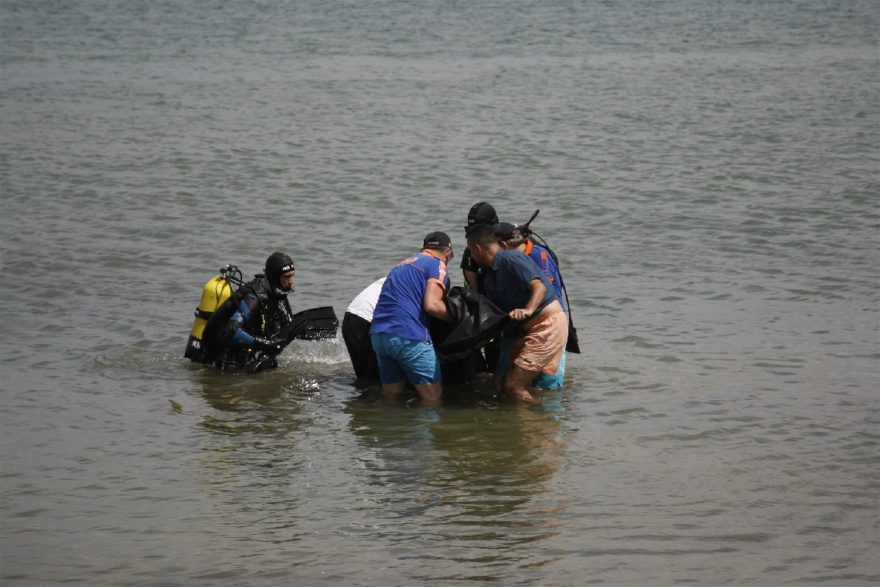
[(388, 327), (500, 262)]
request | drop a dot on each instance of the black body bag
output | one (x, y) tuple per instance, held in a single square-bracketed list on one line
[(475, 321)]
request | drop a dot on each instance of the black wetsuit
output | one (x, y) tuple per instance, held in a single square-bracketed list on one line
[(488, 358), (261, 313)]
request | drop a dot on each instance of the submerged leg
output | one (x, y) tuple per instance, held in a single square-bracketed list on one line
[(430, 393), (516, 383), (394, 389)]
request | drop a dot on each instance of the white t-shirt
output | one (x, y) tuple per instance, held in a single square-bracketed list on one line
[(365, 303)]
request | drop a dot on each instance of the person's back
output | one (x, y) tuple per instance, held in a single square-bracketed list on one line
[(364, 304), (399, 310), (399, 333), (544, 260)]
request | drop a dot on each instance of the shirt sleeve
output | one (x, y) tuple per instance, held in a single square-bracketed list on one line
[(438, 274)]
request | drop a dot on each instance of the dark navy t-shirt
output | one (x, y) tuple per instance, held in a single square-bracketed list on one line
[(507, 284)]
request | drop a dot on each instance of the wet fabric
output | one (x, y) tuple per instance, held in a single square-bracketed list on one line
[(475, 320), (403, 358), (507, 284), (543, 381), (364, 304), (544, 260), (543, 345), (356, 335), (400, 310)]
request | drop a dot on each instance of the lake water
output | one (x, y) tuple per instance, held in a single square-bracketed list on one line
[(707, 171)]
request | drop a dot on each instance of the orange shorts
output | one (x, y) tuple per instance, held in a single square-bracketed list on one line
[(542, 346)]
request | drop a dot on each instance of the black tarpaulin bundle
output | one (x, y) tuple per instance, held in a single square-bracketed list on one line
[(475, 321)]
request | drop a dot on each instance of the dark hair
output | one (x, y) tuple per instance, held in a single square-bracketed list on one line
[(481, 234)]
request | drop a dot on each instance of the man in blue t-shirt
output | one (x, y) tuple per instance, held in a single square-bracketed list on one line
[(399, 333), (516, 285)]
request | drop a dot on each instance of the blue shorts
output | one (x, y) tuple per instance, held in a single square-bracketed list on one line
[(543, 381), (402, 358)]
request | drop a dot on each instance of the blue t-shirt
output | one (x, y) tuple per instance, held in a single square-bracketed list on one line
[(542, 257), (400, 310), (507, 284)]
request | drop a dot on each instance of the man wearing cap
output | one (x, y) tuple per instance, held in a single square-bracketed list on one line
[(412, 291), (518, 287), (255, 329)]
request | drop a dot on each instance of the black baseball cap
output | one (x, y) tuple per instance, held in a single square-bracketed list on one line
[(506, 231), (436, 240)]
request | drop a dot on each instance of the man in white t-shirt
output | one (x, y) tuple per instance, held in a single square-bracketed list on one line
[(356, 332)]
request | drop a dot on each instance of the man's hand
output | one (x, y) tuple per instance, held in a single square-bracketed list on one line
[(521, 314)]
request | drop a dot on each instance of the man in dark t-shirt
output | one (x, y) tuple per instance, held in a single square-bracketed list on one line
[(516, 285)]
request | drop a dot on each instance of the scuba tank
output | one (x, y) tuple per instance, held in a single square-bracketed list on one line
[(217, 290)]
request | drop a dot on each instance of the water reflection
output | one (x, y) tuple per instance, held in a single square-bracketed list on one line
[(472, 484), (236, 393), (251, 424)]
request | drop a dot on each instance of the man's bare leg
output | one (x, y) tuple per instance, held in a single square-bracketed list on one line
[(516, 383), (394, 389), (430, 393)]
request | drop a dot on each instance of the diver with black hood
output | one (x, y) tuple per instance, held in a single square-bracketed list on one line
[(257, 329), (479, 214)]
